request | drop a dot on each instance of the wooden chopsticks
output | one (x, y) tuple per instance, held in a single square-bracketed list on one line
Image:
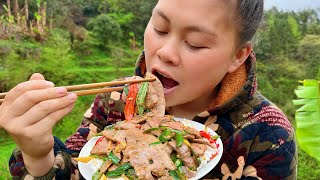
[(87, 89)]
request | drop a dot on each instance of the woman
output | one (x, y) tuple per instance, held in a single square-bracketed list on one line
[(202, 54)]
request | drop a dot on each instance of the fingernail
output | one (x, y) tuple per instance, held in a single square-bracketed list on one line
[(72, 96), (49, 84), (61, 90)]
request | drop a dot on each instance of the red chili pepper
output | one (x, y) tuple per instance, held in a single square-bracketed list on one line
[(129, 109), (99, 140), (217, 145), (214, 155), (207, 136)]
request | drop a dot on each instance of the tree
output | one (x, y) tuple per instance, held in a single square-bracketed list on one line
[(308, 20), (280, 36), (309, 53), (105, 29)]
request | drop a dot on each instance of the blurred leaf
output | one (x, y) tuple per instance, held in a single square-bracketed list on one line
[(308, 117)]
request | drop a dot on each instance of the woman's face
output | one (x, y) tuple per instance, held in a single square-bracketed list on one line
[(190, 46)]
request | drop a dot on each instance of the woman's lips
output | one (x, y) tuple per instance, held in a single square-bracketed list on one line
[(165, 79)]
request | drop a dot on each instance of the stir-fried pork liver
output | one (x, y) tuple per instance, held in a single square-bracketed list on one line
[(105, 166), (103, 147), (147, 160), (198, 148), (115, 136), (184, 153), (127, 126)]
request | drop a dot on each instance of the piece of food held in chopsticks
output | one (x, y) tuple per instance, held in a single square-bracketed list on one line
[(149, 144)]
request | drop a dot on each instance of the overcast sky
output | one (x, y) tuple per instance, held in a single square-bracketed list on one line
[(294, 5)]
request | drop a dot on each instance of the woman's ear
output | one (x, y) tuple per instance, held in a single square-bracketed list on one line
[(240, 57)]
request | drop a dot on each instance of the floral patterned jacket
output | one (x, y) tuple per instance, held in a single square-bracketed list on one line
[(258, 139)]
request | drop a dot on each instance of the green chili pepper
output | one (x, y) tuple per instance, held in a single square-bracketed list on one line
[(179, 139), (183, 133), (140, 101), (151, 129), (119, 171), (166, 135), (154, 143), (154, 129), (126, 90), (113, 158)]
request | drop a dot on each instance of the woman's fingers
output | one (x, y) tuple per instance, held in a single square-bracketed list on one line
[(37, 76), (25, 87), (44, 108), (30, 98), (47, 123)]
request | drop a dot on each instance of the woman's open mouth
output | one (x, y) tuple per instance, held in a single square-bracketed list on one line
[(167, 82)]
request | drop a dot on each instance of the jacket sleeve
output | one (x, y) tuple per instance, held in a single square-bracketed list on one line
[(279, 161), (106, 109)]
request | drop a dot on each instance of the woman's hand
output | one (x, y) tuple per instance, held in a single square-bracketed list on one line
[(29, 112)]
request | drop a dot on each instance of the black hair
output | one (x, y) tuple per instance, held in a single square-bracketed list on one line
[(249, 14)]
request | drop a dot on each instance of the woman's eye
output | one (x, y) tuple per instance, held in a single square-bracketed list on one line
[(161, 33), (194, 47)]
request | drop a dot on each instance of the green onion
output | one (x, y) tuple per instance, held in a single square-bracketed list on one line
[(99, 134), (173, 157), (195, 156), (96, 176), (113, 158), (109, 127), (119, 171), (174, 175), (155, 143), (181, 175), (177, 175), (178, 163), (131, 174)]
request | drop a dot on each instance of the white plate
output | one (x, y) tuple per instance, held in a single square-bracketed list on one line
[(87, 170)]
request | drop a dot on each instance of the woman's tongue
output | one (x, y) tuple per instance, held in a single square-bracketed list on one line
[(168, 83)]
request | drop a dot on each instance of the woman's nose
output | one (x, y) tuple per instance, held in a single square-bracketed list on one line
[(169, 53)]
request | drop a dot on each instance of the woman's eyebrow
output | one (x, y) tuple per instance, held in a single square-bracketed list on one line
[(192, 28), (161, 14), (200, 29)]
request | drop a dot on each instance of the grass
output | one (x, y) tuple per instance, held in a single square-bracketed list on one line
[(308, 167), (5, 152)]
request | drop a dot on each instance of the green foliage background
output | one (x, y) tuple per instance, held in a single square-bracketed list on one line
[(288, 50)]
